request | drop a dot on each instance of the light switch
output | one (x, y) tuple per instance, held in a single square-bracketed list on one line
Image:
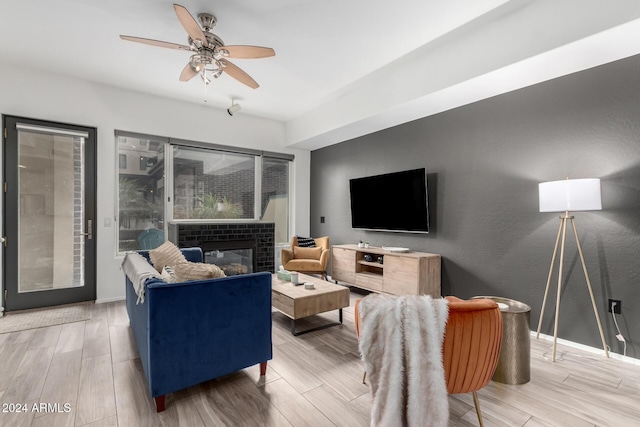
[(107, 221)]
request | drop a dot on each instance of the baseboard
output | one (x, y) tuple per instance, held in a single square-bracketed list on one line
[(105, 300), (589, 349)]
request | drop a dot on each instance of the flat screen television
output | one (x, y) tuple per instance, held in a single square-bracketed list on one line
[(391, 202)]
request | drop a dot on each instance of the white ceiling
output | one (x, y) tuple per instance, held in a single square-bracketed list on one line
[(342, 68)]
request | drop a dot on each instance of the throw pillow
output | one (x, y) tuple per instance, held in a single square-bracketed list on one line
[(188, 270), (168, 274), (306, 253), (306, 242), (166, 254)]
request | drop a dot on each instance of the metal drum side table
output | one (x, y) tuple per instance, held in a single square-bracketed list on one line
[(514, 365)]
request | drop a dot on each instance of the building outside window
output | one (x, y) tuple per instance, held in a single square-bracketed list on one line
[(275, 197), (140, 194), (210, 184), (161, 182)]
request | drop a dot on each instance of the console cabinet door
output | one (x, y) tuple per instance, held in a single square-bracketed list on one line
[(343, 265), (401, 275), (369, 281)]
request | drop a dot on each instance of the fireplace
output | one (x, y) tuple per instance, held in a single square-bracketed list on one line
[(226, 239), (233, 257)]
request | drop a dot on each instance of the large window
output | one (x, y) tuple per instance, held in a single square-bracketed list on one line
[(213, 185), (203, 182), (275, 196), (140, 193)]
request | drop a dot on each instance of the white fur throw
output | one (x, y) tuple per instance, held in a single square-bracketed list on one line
[(401, 346)]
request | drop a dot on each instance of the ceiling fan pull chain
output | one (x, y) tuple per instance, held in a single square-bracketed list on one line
[(204, 82)]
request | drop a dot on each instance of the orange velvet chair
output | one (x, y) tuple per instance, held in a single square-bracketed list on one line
[(471, 346), (307, 260)]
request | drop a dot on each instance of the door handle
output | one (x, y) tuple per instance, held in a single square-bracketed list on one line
[(89, 232)]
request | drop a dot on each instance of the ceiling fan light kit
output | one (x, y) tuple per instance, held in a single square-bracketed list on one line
[(209, 51)]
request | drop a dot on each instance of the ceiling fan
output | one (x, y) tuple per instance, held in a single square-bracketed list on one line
[(209, 51)]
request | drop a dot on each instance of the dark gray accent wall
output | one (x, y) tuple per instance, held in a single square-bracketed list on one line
[(485, 161)]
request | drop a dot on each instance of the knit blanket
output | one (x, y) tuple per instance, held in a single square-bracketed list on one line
[(401, 346), (138, 270)]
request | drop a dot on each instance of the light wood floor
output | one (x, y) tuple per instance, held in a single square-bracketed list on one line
[(313, 380)]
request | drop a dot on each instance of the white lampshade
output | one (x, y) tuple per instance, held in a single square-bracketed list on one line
[(570, 195)]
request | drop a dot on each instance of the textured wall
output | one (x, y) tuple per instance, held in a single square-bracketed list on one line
[(485, 161)]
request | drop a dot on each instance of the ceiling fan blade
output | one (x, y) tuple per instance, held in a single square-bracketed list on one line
[(188, 72), (156, 43), (190, 24), (247, 52), (238, 74)]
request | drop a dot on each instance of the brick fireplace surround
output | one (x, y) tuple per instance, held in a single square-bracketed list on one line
[(206, 235)]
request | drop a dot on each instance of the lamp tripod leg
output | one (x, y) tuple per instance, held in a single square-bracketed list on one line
[(593, 301), (546, 291), (555, 324)]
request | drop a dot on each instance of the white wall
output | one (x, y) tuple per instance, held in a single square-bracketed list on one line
[(41, 95), (517, 44)]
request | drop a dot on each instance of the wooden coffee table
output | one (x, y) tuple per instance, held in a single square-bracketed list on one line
[(297, 302)]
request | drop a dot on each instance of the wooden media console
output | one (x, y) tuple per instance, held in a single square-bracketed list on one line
[(400, 273)]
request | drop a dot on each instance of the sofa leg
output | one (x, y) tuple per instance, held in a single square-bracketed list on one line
[(159, 403), (263, 369)]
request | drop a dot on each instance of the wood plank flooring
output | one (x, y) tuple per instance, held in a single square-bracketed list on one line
[(313, 380)]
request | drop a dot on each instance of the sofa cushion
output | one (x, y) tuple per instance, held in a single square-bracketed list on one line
[(309, 265), (306, 253), (306, 242), (197, 271), (168, 274), (166, 254)]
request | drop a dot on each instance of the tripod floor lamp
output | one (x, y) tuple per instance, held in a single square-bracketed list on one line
[(564, 196)]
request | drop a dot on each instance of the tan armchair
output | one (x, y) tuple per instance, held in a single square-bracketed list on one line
[(307, 260)]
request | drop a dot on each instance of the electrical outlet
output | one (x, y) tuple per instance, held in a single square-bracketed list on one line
[(618, 306)]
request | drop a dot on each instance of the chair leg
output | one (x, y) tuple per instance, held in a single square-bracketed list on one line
[(364, 377), (263, 368), (476, 402)]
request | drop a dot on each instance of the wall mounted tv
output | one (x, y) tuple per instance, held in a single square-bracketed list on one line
[(391, 202)]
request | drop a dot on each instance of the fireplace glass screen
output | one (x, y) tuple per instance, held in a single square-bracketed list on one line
[(231, 261)]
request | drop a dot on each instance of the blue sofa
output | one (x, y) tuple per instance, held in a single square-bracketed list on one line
[(191, 332)]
